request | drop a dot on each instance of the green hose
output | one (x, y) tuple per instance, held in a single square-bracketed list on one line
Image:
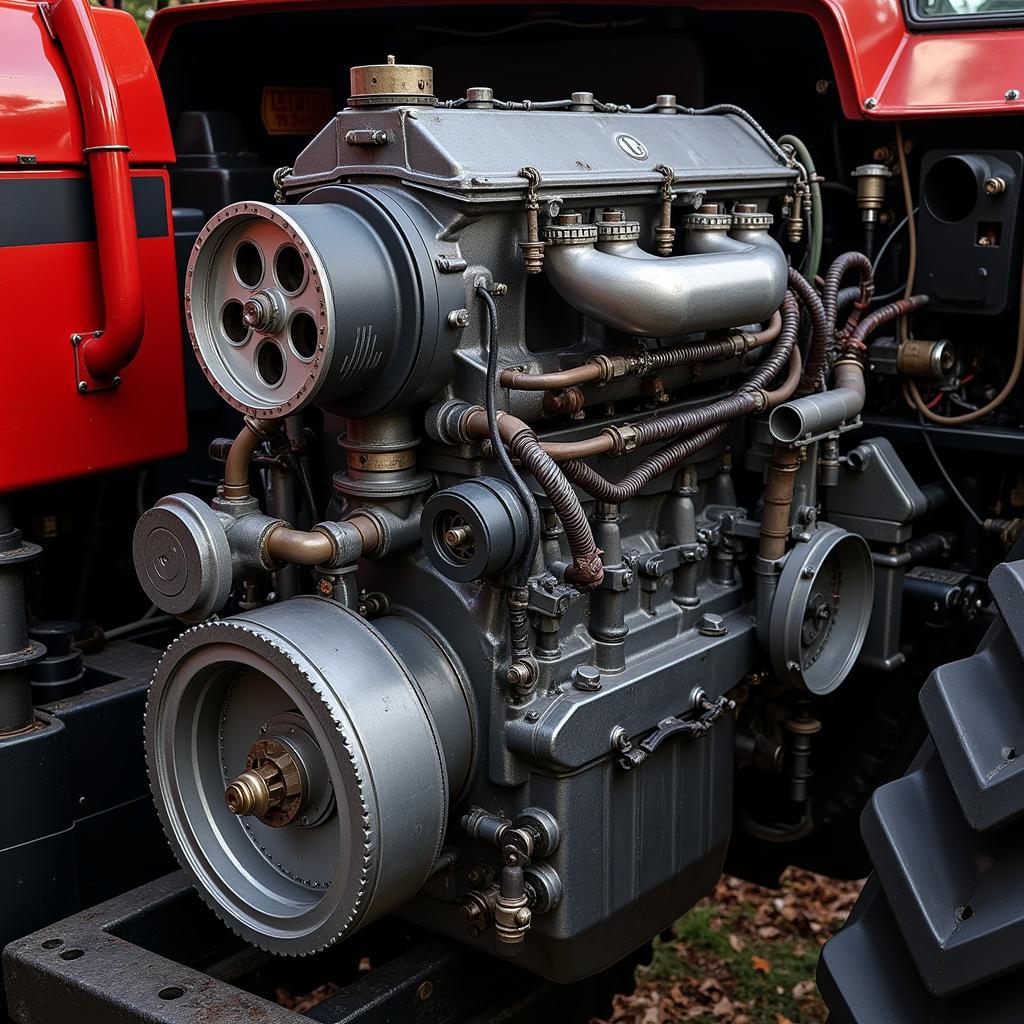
[(817, 219)]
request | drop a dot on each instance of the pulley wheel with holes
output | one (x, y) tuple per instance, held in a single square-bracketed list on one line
[(334, 301), (308, 722), (821, 610)]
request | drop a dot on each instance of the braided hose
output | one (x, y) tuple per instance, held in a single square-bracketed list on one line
[(821, 334), (586, 569), (630, 485), (841, 266)]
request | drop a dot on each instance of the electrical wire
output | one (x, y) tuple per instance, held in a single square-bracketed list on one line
[(884, 247), (945, 475), (490, 341), (816, 216)]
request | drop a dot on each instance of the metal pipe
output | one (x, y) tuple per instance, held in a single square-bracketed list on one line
[(599, 370), (778, 500), (299, 547), (236, 468), (106, 149), (818, 414), (673, 295)]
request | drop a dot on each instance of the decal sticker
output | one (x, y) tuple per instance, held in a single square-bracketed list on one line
[(296, 109)]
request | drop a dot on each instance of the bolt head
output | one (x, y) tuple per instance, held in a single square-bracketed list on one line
[(587, 678), (523, 917), (870, 103), (620, 738), (808, 572), (1011, 94), (712, 625), (425, 991), (458, 318)]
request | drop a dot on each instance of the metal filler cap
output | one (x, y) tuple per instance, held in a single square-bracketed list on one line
[(392, 85)]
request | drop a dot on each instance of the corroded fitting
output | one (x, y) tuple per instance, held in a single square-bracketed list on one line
[(271, 787), (392, 85), (664, 233), (871, 179)]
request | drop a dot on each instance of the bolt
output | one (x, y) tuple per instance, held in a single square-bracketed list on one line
[(821, 86), (470, 913), (587, 678), (1011, 94), (994, 185), (870, 103), (425, 991), (532, 716), (808, 572), (500, 289), (620, 738), (523, 917), (519, 675), (83, 387), (76, 339), (458, 318), (712, 625)]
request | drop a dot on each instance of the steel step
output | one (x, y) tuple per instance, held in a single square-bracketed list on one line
[(975, 713), (938, 934), (866, 976), (957, 894)]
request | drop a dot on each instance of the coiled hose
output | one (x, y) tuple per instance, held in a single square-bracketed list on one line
[(709, 422), (821, 334)]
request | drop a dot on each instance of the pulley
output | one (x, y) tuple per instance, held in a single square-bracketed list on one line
[(335, 301), (474, 529), (821, 610), (303, 762)]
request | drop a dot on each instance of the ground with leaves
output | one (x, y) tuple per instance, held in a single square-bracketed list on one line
[(745, 955)]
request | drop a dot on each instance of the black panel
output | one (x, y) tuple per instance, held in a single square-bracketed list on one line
[(47, 211)]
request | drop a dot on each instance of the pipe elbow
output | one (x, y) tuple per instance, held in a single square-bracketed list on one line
[(821, 413), (668, 296)]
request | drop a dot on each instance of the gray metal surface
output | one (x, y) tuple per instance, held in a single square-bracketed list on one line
[(296, 890), (466, 153), (821, 610), (939, 938), (674, 295)]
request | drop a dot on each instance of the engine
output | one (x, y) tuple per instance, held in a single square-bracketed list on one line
[(592, 525)]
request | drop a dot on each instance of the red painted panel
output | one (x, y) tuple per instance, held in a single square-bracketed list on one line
[(39, 110), (874, 56), (48, 430)]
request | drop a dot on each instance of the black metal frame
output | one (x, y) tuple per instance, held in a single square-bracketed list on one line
[(158, 955)]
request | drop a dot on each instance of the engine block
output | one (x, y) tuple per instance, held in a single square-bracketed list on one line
[(505, 703)]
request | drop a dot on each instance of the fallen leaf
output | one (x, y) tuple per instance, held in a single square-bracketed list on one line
[(760, 964), (804, 988)]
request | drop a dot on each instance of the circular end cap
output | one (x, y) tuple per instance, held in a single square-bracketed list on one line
[(617, 230), (752, 221), (570, 234), (392, 85), (708, 221), (182, 557), (821, 610), (475, 529)]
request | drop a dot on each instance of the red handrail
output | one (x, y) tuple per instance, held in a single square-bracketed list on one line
[(106, 149)]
